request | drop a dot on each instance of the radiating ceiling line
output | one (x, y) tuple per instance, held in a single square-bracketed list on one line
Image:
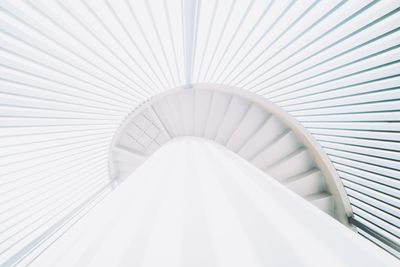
[(65, 227), (363, 102), (334, 28), (333, 57), (340, 40), (230, 42), (125, 50), (171, 37), (340, 88), (63, 46), (84, 155), (94, 172), (52, 230), (147, 42), (33, 87), (65, 73), (210, 27), (128, 66), (342, 77), (265, 33), (265, 11), (322, 18), (213, 54), (160, 42), (277, 38), (65, 30), (71, 71), (90, 107), (189, 9), (70, 167), (63, 84)]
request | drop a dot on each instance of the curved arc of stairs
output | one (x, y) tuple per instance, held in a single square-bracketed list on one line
[(247, 124)]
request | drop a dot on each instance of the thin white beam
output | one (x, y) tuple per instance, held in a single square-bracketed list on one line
[(189, 7)]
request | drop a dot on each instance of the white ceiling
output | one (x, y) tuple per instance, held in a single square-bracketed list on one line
[(70, 71)]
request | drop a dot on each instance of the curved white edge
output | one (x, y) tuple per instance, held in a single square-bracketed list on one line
[(333, 182)]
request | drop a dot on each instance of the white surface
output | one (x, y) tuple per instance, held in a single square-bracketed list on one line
[(70, 72), (274, 141), (194, 203)]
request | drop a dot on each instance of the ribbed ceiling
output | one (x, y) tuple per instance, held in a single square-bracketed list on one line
[(70, 71)]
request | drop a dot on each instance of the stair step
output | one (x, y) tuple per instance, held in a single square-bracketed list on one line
[(234, 114), (252, 121), (297, 162), (161, 109), (279, 149), (127, 140), (307, 183), (165, 134), (128, 152), (202, 109), (127, 159), (122, 175), (219, 105), (173, 105), (324, 201), (186, 104), (267, 133), (126, 166)]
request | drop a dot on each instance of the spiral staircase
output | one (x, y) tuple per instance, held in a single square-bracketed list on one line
[(306, 91)]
